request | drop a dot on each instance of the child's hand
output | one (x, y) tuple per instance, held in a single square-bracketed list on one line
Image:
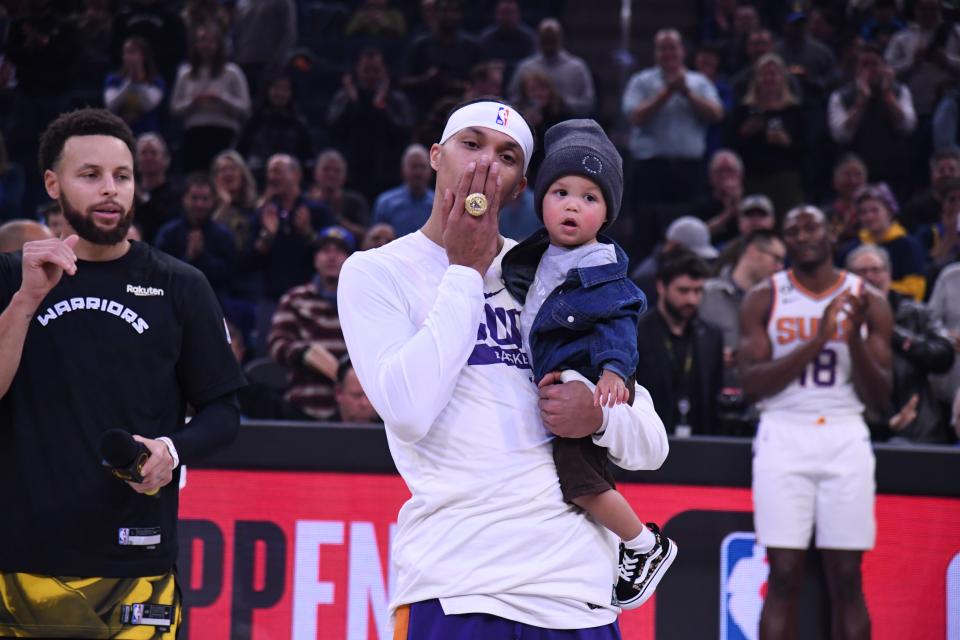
[(610, 390)]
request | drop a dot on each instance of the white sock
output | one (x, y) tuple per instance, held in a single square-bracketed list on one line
[(643, 542)]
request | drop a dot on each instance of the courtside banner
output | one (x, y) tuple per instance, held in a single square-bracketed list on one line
[(272, 555)]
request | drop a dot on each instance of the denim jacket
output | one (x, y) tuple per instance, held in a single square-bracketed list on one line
[(588, 323)]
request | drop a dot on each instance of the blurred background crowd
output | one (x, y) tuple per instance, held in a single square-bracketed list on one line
[(276, 137)]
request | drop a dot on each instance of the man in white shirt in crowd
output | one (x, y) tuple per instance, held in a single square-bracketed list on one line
[(485, 548)]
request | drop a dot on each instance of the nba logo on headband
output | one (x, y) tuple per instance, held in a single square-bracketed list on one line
[(491, 115), (502, 114)]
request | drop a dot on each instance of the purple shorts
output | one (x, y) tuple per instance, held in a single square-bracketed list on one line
[(428, 622)]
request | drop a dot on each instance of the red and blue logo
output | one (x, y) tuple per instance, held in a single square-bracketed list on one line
[(743, 586), (502, 114)]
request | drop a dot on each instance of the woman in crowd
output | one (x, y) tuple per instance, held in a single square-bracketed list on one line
[(767, 131), (236, 194), (211, 96), (329, 176), (135, 91), (277, 126), (542, 107)]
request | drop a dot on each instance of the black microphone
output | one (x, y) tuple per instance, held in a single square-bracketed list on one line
[(124, 455)]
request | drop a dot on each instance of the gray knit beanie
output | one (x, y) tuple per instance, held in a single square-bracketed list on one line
[(581, 148)]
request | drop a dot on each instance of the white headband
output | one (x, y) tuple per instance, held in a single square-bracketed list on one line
[(496, 116)]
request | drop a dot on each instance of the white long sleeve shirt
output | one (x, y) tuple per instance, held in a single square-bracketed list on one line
[(438, 351)]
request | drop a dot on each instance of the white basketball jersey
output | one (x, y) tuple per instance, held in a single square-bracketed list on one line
[(825, 387)]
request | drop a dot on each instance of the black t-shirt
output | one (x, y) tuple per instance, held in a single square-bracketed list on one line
[(122, 344)]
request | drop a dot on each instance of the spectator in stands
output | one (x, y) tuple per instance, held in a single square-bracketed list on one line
[(375, 19), (370, 123), (11, 185), (407, 207), (329, 177), (305, 334), (882, 23), (759, 43), (767, 129), (210, 95), (285, 230), (669, 109), (877, 210), (439, 63), (762, 254), (15, 233), (849, 176), (353, 406), (486, 79), (686, 232), (277, 126), (91, 58), (707, 62), (508, 39), (717, 25), (941, 241), (946, 117), (920, 347), (136, 91), (157, 22), (925, 206), (745, 21), (946, 311), (570, 74), (542, 106), (754, 213), (873, 117), (53, 217), (807, 58), (236, 195), (681, 356), (719, 208), (263, 33), (158, 198), (378, 235), (196, 239)]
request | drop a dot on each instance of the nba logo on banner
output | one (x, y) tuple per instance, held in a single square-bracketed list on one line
[(953, 599), (502, 114), (743, 586)]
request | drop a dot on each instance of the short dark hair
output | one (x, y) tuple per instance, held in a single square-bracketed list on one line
[(681, 262), (944, 154), (81, 122), (198, 179)]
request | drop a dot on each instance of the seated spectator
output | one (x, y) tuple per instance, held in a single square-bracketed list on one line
[(508, 39), (329, 177), (686, 232), (849, 177), (542, 107), (52, 216), (236, 195), (353, 406), (924, 208), (755, 213), (669, 109), (284, 233), (378, 235), (11, 185), (407, 207), (920, 347), (873, 117), (277, 126), (571, 75), (160, 24), (375, 19), (136, 91), (15, 233), (946, 311), (439, 62), (681, 356), (762, 254), (877, 210), (719, 208), (158, 198), (305, 334), (211, 96), (941, 241), (767, 130), (370, 123), (196, 239)]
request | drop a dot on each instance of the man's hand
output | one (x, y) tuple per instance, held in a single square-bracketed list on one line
[(567, 409), (472, 241), (319, 358), (270, 218), (906, 415), (44, 263), (157, 472)]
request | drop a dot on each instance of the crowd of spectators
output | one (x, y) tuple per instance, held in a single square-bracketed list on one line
[(276, 137)]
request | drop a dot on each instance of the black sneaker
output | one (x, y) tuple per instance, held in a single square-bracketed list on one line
[(640, 573)]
